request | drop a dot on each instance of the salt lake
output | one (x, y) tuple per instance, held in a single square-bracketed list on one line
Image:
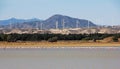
[(60, 58)]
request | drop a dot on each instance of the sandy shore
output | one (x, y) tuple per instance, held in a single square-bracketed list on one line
[(59, 44)]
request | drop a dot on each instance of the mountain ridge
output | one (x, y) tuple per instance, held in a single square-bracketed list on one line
[(16, 20), (70, 22), (50, 23)]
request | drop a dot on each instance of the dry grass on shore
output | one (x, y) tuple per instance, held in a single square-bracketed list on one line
[(58, 44)]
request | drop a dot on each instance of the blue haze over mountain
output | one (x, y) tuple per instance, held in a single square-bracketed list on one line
[(69, 22), (15, 20), (50, 23)]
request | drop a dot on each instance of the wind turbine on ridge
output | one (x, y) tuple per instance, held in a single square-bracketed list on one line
[(77, 23), (56, 24), (41, 25), (37, 28), (63, 23), (88, 24)]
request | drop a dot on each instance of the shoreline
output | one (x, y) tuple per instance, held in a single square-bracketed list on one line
[(59, 44), (42, 48)]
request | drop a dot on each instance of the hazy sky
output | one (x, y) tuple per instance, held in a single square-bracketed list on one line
[(104, 12)]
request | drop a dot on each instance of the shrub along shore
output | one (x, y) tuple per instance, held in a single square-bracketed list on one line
[(59, 40)]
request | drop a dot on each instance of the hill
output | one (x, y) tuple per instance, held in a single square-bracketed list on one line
[(59, 21), (15, 20), (69, 22)]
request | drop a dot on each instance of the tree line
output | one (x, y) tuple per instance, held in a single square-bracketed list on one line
[(55, 37)]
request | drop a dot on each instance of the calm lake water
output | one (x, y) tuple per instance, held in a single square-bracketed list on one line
[(60, 58)]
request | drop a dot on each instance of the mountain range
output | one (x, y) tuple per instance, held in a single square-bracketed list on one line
[(15, 20), (50, 23)]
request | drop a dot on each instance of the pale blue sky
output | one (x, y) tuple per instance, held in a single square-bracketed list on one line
[(104, 12)]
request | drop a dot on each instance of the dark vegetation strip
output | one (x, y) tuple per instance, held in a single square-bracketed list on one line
[(55, 37)]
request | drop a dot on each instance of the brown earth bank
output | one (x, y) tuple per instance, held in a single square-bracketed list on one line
[(59, 44)]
